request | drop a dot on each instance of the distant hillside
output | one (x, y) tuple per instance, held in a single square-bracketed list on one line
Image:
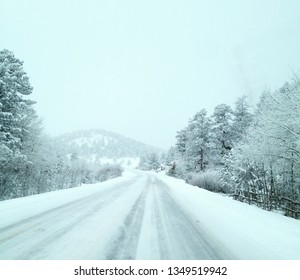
[(101, 145)]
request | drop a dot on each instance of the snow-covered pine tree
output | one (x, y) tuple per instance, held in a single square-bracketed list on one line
[(181, 143), (14, 107), (242, 118), (198, 146), (16, 116), (222, 131), (171, 156)]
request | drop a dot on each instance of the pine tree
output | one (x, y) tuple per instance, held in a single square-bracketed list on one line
[(242, 118), (182, 139), (222, 130), (198, 145), (15, 109), (16, 117)]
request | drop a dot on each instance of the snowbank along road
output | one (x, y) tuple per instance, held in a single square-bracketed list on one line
[(142, 215), (135, 217)]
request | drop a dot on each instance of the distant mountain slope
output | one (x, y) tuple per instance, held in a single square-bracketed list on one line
[(98, 143)]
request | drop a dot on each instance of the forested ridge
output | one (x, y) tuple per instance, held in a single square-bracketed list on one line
[(253, 155)]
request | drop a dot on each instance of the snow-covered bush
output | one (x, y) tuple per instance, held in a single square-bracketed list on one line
[(178, 169), (108, 171), (209, 180)]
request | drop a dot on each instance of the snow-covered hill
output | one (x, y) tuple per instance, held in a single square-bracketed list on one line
[(103, 146)]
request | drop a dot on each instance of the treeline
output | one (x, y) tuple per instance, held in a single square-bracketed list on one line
[(253, 156), (30, 161)]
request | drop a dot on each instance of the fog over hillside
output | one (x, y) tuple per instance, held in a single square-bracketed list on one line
[(95, 144)]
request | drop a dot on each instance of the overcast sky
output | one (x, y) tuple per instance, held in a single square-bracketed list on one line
[(144, 68)]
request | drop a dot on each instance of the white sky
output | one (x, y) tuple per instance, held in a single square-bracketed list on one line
[(143, 68)]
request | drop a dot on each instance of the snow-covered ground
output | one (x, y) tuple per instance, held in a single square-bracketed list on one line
[(142, 215), (246, 230)]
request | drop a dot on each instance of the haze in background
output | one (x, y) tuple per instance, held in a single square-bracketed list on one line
[(143, 68)]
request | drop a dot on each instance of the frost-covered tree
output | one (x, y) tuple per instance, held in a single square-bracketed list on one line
[(16, 118), (150, 161), (266, 162), (15, 109), (222, 130), (181, 143), (171, 156), (198, 144), (242, 118)]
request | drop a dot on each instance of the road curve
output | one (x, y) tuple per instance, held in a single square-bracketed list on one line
[(135, 219)]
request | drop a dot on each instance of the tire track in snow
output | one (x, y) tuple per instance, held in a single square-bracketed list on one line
[(126, 242)]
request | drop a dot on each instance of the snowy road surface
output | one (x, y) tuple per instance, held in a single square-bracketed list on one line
[(138, 216), (135, 219)]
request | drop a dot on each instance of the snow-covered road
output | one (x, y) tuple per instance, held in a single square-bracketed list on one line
[(136, 218), (141, 216)]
